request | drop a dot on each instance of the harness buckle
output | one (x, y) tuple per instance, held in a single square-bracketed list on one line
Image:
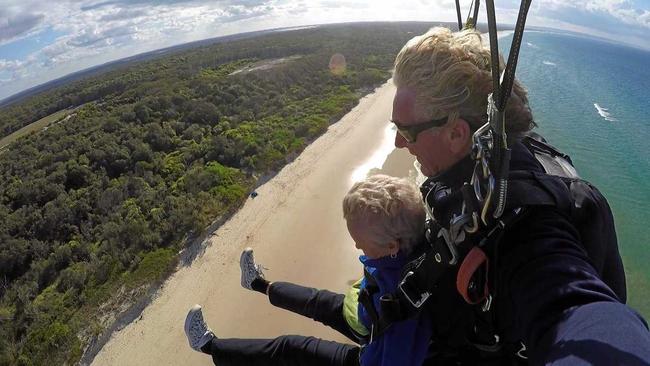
[(455, 235), (522, 353), (423, 295), (487, 305), (483, 179)]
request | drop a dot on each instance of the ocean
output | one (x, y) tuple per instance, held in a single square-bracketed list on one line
[(589, 98)]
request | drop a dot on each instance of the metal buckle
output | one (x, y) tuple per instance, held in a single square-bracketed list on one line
[(522, 351), (487, 304), (455, 234), (474, 228), (482, 178), (423, 296)]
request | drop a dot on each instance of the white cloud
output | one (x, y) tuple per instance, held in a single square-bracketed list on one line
[(11, 70), (14, 25), (97, 31), (122, 13), (622, 10)]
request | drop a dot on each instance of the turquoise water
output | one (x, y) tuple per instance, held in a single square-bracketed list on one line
[(566, 76)]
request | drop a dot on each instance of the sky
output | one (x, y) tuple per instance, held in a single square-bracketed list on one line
[(43, 40)]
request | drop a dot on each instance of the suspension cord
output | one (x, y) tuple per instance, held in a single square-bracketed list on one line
[(472, 14), (503, 88), (499, 154), (494, 47), (511, 66), (460, 19), (475, 16)]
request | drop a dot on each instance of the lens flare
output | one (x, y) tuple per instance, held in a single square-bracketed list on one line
[(337, 64)]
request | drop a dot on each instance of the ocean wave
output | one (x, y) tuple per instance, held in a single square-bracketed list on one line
[(506, 33), (531, 45), (604, 112), (549, 63), (294, 28), (500, 34)]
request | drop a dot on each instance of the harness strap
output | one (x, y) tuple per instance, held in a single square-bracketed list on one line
[(486, 335), (471, 281), (418, 284), (379, 323), (535, 189)]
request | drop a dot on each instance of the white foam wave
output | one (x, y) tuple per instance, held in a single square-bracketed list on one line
[(549, 63), (378, 158), (531, 45), (500, 34), (604, 112), (294, 28)]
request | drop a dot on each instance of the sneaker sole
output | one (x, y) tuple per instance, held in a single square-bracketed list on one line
[(241, 266)]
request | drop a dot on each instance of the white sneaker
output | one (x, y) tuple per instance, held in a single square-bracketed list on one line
[(249, 269), (196, 330)]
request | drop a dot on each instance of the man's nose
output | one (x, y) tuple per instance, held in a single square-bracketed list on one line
[(400, 141)]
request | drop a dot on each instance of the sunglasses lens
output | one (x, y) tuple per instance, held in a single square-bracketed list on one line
[(407, 135)]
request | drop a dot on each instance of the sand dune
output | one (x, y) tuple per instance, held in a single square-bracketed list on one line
[(296, 227)]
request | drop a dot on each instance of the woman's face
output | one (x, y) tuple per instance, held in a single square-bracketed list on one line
[(363, 239)]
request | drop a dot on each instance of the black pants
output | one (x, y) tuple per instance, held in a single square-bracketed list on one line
[(321, 305)]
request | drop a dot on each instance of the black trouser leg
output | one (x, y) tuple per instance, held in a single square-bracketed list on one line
[(288, 350), (321, 305)]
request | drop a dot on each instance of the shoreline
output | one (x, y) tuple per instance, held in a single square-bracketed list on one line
[(296, 227)]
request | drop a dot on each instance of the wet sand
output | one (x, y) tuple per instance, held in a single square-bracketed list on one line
[(296, 227)]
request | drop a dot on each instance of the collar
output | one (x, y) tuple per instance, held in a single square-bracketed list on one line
[(457, 174), (385, 262)]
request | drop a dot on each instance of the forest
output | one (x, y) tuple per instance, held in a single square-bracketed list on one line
[(94, 209)]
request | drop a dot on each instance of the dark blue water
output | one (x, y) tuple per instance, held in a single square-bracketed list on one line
[(566, 76)]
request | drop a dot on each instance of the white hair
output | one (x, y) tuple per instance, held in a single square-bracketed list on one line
[(391, 206), (451, 76)]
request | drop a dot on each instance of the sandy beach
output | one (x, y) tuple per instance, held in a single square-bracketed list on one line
[(296, 227)]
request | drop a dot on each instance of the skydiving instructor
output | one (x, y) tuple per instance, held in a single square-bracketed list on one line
[(554, 296)]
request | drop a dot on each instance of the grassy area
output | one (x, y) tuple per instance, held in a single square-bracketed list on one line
[(34, 127)]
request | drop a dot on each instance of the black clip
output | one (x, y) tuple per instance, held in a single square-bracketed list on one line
[(406, 290)]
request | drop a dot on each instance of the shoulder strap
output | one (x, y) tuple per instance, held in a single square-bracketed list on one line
[(552, 160), (527, 189), (379, 323)]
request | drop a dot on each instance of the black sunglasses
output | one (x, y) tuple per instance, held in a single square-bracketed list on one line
[(410, 133)]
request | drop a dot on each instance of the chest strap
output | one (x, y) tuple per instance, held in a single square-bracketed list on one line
[(422, 275)]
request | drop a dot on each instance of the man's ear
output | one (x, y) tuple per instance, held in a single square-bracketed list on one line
[(460, 137)]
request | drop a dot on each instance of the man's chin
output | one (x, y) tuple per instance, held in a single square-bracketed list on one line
[(426, 171)]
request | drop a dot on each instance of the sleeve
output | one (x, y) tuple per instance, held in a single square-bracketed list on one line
[(350, 309), (565, 314)]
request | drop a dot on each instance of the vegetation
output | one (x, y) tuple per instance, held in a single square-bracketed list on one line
[(94, 209), (35, 126)]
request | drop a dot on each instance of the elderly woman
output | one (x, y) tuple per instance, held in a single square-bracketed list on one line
[(385, 218)]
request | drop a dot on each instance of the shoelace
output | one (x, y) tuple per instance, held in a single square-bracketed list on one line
[(198, 328), (259, 269), (254, 270), (252, 273)]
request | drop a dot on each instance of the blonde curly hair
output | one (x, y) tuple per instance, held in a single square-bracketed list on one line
[(392, 207), (450, 74)]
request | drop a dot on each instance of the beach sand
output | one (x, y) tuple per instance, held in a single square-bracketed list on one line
[(296, 227)]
